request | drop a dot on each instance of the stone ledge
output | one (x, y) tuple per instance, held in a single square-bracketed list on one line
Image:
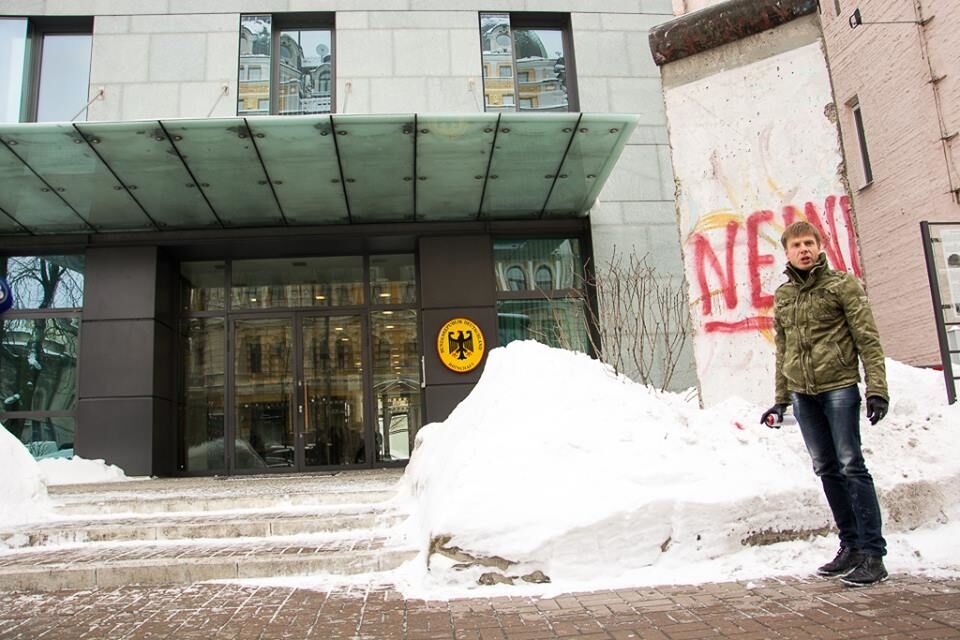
[(720, 24)]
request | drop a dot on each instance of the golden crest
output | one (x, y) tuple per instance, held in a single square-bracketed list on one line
[(460, 345)]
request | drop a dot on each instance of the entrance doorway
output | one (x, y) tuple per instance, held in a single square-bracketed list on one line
[(299, 365), (298, 391)]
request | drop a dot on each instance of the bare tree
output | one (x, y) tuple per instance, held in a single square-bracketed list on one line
[(639, 323)]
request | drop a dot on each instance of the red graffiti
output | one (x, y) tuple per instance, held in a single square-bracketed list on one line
[(757, 263)]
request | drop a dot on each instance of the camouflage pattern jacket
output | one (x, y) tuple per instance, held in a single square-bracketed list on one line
[(823, 325)]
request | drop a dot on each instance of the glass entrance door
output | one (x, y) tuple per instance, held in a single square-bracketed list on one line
[(264, 394), (298, 392), (332, 391)]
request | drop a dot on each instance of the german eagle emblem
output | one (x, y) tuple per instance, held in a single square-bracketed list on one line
[(460, 344)]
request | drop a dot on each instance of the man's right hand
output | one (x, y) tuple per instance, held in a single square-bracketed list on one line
[(777, 412)]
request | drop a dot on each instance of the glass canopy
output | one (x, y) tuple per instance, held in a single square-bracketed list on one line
[(273, 171)]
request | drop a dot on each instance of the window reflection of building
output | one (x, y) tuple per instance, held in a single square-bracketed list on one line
[(303, 68), (539, 292), (38, 352), (535, 55)]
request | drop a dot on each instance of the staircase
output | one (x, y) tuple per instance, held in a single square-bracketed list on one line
[(179, 531)]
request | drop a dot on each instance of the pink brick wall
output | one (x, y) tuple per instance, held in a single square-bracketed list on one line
[(886, 68)]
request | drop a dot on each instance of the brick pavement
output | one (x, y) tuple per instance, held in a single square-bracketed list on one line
[(793, 608)]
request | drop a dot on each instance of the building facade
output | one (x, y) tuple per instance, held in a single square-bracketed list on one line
[(898, 104), (237, 229)]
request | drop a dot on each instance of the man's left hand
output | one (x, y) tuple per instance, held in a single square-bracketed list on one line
[(876, 409)]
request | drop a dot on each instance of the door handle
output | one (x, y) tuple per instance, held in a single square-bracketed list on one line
[(423, 372)]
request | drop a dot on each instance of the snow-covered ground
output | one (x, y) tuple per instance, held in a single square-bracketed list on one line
[(554, 464), (25, 480)]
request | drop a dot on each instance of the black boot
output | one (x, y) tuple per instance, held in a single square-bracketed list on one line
[(846, 561), (870, 571)]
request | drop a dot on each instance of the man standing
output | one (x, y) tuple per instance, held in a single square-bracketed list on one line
[(823, 326)]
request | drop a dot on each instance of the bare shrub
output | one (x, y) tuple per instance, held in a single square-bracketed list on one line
[(639, 324)]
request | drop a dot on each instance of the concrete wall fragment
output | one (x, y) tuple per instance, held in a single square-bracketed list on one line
[(755, 146)]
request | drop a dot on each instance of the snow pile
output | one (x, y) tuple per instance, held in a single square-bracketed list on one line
[(77, 470), (556, 464), (24, 497)]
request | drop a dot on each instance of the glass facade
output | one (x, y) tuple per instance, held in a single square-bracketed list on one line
[(294, 390), (396, 382), (540, 292), (13, 46), (64, 80), (301, 282), (203, 370), (524, 67), (39, 347), (282, 70)]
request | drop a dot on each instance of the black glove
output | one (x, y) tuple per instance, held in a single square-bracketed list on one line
[(876, 409), (776, 411)]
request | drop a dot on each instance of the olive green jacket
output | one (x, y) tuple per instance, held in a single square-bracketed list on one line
[(823, 325)]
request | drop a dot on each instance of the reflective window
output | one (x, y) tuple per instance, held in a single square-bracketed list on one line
[(49, 437), (393, 279), (546, 263), (263, 393), (525, 59), (296, 282), (396, 381), (289, 66), (38, 364), (256, 51), (39, 345), (202, 285), (333, 388), (13, 43), (47, 282), (64, 81), (202, 393), (544, 278), (516, 279), (539, 290), (558, 322)]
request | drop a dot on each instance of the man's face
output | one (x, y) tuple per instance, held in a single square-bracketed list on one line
[(802, 252)]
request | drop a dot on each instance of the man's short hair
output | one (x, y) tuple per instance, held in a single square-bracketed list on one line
[(798, 229)]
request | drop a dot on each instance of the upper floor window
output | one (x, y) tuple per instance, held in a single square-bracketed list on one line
[(854, 105), (531, 55), (286, 64), (45, 76)]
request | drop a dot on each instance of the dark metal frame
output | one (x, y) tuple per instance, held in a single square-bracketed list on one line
[(950, 378), (229, 316)]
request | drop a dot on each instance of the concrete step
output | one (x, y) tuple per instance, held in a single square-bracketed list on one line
[(93, 566), (125, 503), (209, 494), (185, 527)]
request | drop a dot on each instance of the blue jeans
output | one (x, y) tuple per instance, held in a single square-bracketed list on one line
[(830, 424)]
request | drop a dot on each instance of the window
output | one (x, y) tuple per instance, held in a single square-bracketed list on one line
[(45, 76), (39, 345), (289, 60), (552, 310), (532, 57), (862, 142), (836, 5)]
